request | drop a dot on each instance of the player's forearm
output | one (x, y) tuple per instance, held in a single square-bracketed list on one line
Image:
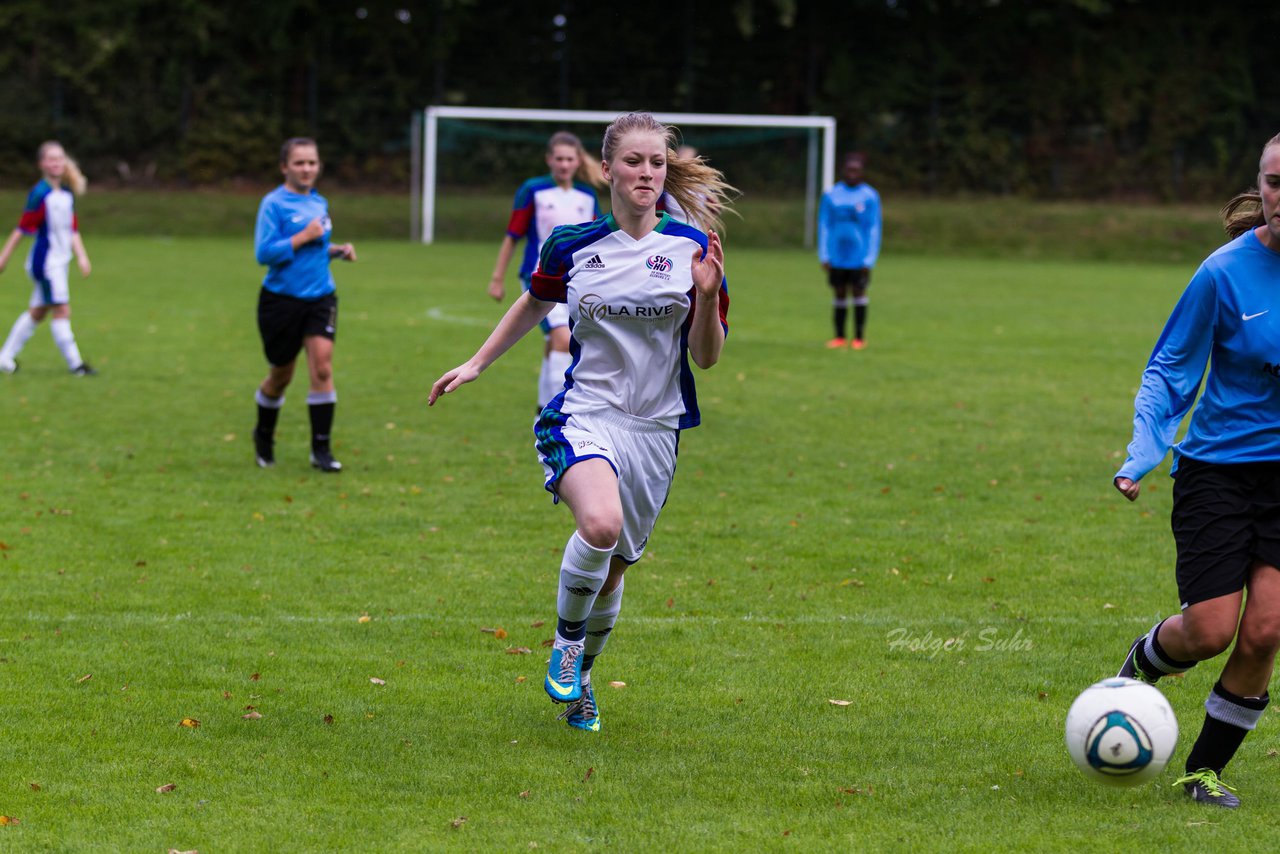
[(9, 246), (525, 313), (706, 335), (504, 257)]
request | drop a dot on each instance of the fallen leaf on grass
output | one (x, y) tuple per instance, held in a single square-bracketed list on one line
[(590, 771), (35, 787), (525, 793), (458, 822), (364, 618), (499, 633), (190, 723), (519, 679), (376, 681), (537, 624), (488, 630), (840, 702), (167, 787), (617, 684), (518, 650), (252, 716), (84, 678), (671, 603), (179, 851), (549, 642), (328, 719), (8, 819)]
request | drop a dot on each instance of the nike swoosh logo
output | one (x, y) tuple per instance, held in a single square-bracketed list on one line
[(1244, 316), (555, 686)]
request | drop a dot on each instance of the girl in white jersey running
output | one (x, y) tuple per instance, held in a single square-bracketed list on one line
[(566, 196), (49, 217), (644, 293)]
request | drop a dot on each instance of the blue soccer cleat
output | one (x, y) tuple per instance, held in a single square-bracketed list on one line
[(564, 674), (1204, 787), (583, 714)]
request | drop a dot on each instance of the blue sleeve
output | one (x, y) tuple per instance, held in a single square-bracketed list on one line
[(271, 246), (1172, 377), (873, 231), (824, 228)]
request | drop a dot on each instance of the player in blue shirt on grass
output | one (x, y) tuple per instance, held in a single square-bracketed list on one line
[(848, 246), (1226, 492), (297, 307)]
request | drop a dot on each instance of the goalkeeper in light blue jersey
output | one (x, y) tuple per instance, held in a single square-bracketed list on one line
[(1226, 492), (848, 246)]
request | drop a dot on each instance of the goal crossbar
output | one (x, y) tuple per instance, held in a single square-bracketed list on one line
[(825, 126)]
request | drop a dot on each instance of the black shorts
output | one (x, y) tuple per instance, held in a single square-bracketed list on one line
[(284, 321), (1225, 517), (841, 277)]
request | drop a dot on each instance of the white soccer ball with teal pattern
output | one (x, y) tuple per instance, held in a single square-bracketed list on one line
[(1121, 732)]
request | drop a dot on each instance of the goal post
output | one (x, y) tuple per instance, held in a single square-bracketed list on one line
[(820, 165)]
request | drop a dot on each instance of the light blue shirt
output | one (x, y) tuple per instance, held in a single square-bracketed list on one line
[(849, 227), (302, 273), (1229, 318)]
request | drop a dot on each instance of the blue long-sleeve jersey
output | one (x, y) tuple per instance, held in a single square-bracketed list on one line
[(1229, 316), (303, 273), (849, 227)]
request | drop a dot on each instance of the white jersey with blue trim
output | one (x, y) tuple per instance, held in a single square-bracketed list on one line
[(630, 307)]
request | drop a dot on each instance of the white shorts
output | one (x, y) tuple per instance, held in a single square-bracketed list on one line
[(641, 452), (50, 289), (559, 316)]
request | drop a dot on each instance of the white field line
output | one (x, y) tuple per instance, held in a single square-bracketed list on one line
[(438, 314)]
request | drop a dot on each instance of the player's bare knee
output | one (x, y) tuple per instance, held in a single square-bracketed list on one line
[(1206, 642), (600, 529), (1259, 637)]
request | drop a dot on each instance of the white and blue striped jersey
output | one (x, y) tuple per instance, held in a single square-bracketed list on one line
[(49, 216), (630, 307), (1229, 318), (303, 273), (849, 227)]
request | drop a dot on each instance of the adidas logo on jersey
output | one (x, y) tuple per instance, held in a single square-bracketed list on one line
[(594, 264)]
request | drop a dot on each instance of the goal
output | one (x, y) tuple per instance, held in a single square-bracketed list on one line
[(819, 146)]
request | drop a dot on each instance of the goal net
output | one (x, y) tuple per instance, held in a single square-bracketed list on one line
[(468, 161)]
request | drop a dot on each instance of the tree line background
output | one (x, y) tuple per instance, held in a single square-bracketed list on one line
[(1128, 99)]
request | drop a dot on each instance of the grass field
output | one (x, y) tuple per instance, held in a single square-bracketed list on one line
[(838, 516)]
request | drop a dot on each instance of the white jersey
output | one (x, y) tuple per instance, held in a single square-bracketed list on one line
[(50, 218), (630, 306)]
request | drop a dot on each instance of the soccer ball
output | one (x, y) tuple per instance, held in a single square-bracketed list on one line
[(1121, 732)]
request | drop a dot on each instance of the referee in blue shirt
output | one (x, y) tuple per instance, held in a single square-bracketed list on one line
[(297, 307), (1226, 492)]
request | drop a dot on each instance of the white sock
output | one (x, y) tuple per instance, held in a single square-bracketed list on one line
[(604, 614), (551, 377), (23, 328), (66, 341), (582, 573)]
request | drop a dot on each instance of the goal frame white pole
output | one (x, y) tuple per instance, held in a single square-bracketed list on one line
[(431, 116)]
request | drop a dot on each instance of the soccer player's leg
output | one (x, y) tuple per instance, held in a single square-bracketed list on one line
[(590, 488), (862, 278), (322, 399), (280, 327), (557, 358)]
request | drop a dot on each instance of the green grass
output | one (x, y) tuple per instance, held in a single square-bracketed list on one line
[(951, 481)]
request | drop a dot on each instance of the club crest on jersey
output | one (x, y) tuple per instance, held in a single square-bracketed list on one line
[(659, 266)]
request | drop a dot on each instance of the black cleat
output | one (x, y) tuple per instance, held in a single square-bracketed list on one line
[(1204, 787), (324, 461), (83, 370), (1130, 669), (264, 449)]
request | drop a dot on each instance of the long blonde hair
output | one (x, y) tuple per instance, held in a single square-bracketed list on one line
[(1244, 211), (699, 188), (588, 167), (74, 177)]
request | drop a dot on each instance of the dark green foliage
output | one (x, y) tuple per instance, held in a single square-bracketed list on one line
[(1059, 99)]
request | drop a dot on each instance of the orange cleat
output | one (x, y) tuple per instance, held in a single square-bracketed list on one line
[(836, 343), (858, 344)]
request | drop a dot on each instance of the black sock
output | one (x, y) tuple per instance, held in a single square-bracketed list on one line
[(321, 424), (842, 318), (267, 416), (859, 320), (1228, 719)]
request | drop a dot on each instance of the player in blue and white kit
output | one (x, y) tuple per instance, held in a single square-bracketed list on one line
[(848, 246), (1226, 492), (563, 197), (297, 306), (50, 218), (645, 293)]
